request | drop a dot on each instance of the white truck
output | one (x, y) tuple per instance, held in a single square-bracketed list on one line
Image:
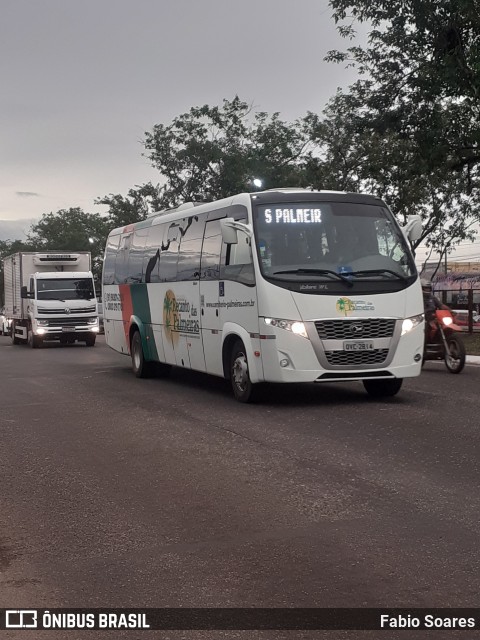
[(50, 296)]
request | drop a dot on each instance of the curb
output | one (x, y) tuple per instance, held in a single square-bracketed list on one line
[(473, 360)]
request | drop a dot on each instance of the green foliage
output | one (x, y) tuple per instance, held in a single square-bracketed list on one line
[(413, 122), (7, 247), (139, 202), (423, 60), (215, 152)]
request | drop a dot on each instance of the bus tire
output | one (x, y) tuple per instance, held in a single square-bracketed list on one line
[(141, 368), (383, 388), (243, 389)]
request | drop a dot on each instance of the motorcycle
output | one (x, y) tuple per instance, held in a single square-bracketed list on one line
[(443, 342)]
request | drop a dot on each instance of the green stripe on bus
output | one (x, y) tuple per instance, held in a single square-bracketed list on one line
[(141, 308)]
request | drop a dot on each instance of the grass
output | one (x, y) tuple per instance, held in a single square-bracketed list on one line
[(472, 343)]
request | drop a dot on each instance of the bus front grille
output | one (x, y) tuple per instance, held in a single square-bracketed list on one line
[(355, 358), (359, 329)]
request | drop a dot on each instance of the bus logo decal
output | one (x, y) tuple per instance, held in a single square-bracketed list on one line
[(345, 306), (179, 317)]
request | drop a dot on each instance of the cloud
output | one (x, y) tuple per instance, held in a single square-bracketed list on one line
[(27, 194)]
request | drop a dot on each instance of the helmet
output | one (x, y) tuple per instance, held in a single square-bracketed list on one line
[(426, 285)]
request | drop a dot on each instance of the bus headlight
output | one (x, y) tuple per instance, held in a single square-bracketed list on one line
[(92, 321), (298, 328), (42, 323), (410, 323)]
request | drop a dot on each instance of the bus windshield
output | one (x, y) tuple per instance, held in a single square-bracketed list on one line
[(325, 240), (65, 289)]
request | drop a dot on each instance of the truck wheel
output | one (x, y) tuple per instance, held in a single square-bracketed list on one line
[(90, 341), (35, 342), (243, 389), (15, 340), (141, 367)]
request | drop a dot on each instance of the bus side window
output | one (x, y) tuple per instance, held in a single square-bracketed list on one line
[(169, 253), (237, 263), (121, 262), (211, 250), (191, 232), (109, 262), (137, 250), (151, 259)]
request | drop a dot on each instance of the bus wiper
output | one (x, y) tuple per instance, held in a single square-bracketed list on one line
[(372, 272), (319, 272)]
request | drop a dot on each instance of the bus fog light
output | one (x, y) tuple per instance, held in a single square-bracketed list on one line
[(284, 362), (94, 329), (40, 331), (417, 357)]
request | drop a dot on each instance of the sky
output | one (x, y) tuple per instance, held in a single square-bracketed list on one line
[(82, 82)]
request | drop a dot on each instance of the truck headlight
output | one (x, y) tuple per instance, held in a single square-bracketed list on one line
[(296, 327), (410, 323)]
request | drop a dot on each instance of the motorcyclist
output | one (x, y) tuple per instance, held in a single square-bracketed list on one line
[(430, 302)]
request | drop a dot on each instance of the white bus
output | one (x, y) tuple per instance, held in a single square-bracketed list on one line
[(283, 285)]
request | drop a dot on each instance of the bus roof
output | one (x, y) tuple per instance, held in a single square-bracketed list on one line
[(271, 195)]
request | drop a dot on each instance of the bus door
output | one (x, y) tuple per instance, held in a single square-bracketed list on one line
[(174, 340), (189, 344), (210, 298), (238, 293)]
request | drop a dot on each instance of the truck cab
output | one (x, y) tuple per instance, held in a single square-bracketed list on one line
[(51, 296)]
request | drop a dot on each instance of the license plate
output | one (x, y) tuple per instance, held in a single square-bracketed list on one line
[(68, 329), (365, 345)]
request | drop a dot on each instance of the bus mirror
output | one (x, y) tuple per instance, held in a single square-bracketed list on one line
[(229, 232), (413, 229)]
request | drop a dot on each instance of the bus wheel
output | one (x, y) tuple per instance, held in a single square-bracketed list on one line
[(243, 389), (383, 388), (141, 368)]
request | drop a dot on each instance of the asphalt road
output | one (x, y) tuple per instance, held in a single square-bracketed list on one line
[(118, 492)]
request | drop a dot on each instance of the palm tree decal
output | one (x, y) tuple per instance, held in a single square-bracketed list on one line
[(167, 304), (344, 305), (168, 315)]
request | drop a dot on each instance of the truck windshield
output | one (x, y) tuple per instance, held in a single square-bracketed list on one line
[(322, 240), (65, 289)]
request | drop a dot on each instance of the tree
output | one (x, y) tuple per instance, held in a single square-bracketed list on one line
[(215, 152), (7, 247), (139, 202), (351, 156), (414, 118), (71, 230), (423, 68)]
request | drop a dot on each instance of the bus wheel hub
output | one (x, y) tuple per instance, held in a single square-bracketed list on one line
[(240, 371)]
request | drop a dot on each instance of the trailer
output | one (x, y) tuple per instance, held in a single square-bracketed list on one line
[(50, 296)]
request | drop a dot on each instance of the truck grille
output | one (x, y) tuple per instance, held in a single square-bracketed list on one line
[(77, 310), (66, 322), (353, 358), (348, 329)]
